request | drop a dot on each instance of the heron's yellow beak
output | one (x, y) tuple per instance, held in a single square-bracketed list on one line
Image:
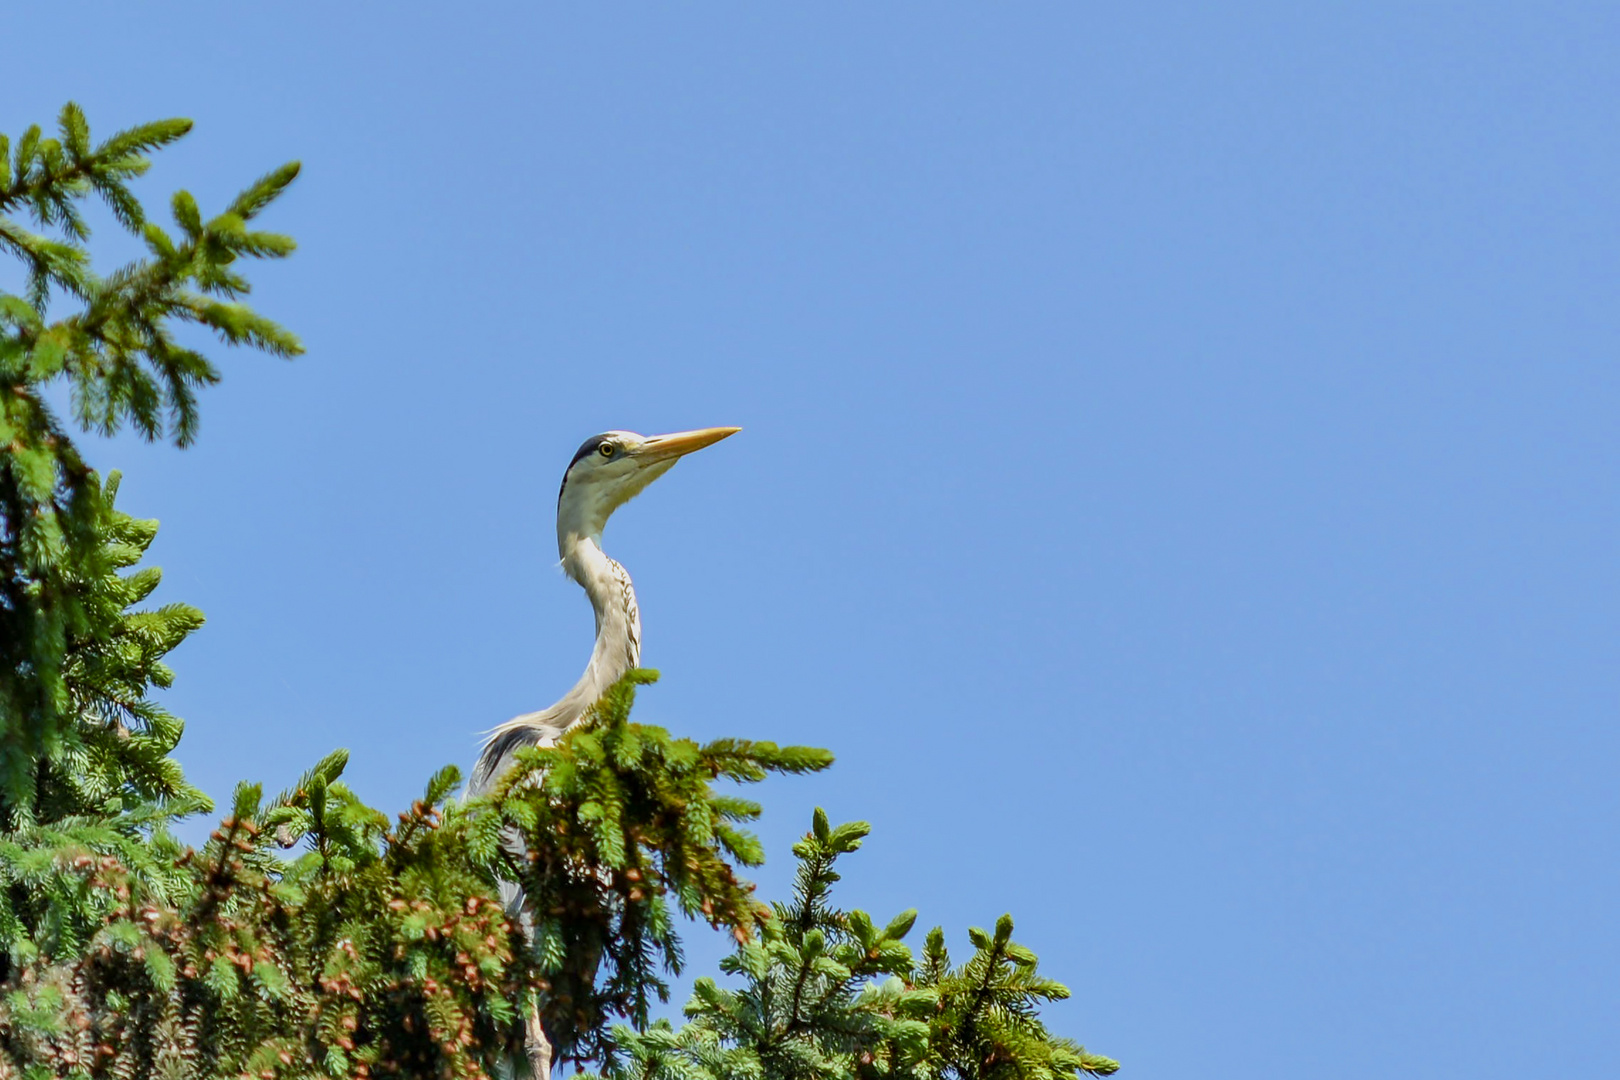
[(664, 447)]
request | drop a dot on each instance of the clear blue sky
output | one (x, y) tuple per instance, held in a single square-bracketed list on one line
[(1178, 476)]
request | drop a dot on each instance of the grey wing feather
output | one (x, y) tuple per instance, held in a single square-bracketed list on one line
[(531, 729)]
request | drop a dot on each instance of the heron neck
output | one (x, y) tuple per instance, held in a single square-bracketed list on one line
[(618, 619)]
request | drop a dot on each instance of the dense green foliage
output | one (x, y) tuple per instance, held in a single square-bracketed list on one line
[(117, 354), (828, 994), (379, 949), (622, 829), (312, 936)]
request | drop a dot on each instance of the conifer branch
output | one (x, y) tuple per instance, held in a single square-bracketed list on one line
[(828, 995), (118, 357)]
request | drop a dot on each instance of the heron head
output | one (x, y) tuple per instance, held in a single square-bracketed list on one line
[(614, 467)]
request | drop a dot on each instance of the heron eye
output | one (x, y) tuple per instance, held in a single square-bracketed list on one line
[(606, 449)]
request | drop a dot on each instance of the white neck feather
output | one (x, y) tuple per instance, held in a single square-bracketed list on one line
[(617, 651), (618, 619)]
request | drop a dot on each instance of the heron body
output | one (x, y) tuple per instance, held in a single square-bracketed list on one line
[(607, 471), (617, 650)]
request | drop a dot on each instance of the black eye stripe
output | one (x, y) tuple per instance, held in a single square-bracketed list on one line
[(586, 449)]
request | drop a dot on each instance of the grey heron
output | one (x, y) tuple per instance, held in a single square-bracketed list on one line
[(607, 471)]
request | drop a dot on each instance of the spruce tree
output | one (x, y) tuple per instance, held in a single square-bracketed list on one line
[(315, 936), (117, 355), (829, 995)]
